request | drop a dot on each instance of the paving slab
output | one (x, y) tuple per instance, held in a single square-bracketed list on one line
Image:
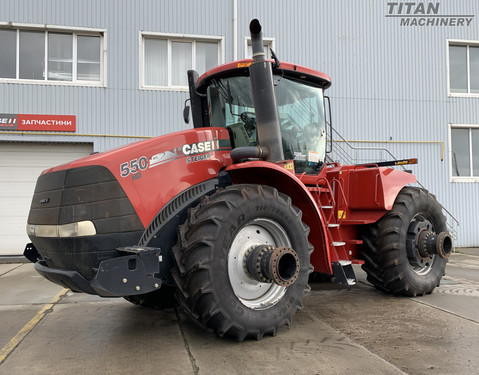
[(23, 293), (415, 337), (102, 337), (468, 250), (7, 267), (340, 331), (23, 286), (309, 346), (12, 320), (462, 301)]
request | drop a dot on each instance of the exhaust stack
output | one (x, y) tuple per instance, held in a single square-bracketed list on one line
[(261, 76)]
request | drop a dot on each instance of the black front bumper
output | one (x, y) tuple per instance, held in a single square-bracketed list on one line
[(136, 271)]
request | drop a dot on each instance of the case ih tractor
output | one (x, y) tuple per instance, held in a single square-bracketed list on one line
[(234, 215)]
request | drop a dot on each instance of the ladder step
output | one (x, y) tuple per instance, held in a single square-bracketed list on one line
[(338, 243), (328, 207), (344, 263), (333, 225), (355, 242), (357, 261)]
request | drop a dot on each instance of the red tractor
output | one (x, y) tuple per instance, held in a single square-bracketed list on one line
[(233, 216)]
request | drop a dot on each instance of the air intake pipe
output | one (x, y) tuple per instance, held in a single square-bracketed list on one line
[(266, 110)]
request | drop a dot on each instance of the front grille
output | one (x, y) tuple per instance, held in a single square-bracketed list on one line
[(86, 193), (80, 194)]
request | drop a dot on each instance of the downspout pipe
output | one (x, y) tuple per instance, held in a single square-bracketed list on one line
[(264, 98), (235, 30)]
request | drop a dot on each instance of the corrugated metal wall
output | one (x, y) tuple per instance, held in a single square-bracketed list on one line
[(389, 81), (120, 108)]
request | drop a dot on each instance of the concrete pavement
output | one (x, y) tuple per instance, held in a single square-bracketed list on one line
[(339, 331)]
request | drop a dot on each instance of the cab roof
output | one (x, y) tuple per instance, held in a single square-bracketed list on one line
[(240, 68)]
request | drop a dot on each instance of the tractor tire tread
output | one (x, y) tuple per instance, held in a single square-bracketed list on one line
[(381, 248), (193, 255)]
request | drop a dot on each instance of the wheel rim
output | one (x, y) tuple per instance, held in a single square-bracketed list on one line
[(419, 264), (251, 293)]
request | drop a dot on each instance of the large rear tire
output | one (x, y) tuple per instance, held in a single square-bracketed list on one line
[(392, 262), (214, 286)]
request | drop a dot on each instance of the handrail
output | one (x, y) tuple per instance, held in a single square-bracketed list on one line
[(335, 181), (365, 148), (333, 201)]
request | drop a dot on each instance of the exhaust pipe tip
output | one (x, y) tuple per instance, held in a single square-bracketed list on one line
[(254, 26)]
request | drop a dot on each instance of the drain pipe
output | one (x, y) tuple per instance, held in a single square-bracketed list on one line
[(235, 30)]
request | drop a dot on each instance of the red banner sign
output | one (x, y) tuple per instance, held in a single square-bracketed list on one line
[(57, 123)]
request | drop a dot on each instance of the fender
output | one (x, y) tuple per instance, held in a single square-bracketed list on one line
[(383, 184), (266, 173)]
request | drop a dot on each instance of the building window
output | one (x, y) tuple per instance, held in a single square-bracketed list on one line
[(465, 152), (33, 56), (166, 59), (268, 45), (464, 68)]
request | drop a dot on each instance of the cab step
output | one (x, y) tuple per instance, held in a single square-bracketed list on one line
[(343, 272)]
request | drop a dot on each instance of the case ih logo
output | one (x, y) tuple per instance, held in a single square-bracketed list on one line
[(21, 122), (425, 14), (8, 121)]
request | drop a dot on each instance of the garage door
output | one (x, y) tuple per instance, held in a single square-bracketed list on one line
[(20, 166)]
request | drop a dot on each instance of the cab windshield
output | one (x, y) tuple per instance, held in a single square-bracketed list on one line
[(301, 114)]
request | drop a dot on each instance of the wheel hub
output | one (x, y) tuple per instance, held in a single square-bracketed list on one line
[(423, 242), (429, 243), (420, 261), (269, 264), (424, 245), (253, 293)]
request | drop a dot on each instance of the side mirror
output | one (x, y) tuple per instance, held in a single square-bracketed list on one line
[(186, 113)]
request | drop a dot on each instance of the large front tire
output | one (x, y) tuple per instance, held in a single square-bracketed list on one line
[(214, 286), (392, 262)]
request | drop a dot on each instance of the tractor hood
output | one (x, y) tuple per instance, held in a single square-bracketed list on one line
[(150, 172)]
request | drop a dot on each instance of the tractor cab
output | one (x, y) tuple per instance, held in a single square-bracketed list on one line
[(224, 97)]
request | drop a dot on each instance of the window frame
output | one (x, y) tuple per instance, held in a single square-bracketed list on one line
[(170, 38), (271, 42), (463, 43), (76, 31), (453, 178)]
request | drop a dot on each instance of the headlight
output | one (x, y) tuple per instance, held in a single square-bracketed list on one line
[(79, 229)]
